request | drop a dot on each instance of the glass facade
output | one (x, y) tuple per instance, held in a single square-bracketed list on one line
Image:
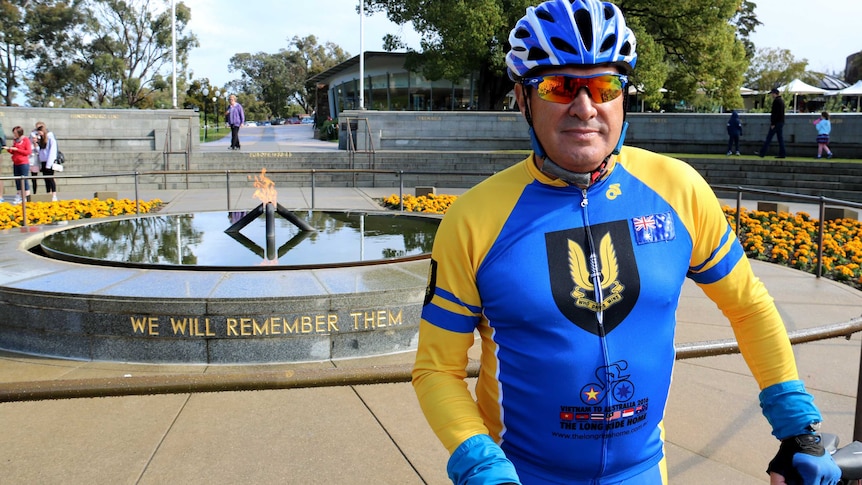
[(406, 91)]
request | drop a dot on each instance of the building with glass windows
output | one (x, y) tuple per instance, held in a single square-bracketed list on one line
[(389, 87)]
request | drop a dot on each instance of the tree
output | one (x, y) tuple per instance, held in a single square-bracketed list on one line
[(280, 79), (128, 44), (772, 67), (31, 35), (458, 38), (746, 22), (690, 42), (310, 59)]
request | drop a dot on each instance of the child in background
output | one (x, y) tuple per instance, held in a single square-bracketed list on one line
[(824, 127), (734, 131)]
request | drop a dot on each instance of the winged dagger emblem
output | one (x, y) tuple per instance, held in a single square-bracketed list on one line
[(580, 270)]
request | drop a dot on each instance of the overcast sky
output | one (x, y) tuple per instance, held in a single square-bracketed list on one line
[(824, 33)]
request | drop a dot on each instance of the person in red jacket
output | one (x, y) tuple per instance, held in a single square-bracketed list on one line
[(20, 151)]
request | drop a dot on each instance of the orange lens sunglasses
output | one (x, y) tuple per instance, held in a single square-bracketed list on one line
[(564, 88)]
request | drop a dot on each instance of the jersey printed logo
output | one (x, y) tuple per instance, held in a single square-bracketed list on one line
[(581, 271), (575, 272), (653, 228)]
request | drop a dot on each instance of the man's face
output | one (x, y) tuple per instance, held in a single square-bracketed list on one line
[(578, 135)]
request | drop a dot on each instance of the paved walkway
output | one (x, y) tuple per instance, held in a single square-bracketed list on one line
[(373, 434)]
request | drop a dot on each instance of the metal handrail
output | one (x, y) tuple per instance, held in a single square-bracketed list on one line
[(821, 201)]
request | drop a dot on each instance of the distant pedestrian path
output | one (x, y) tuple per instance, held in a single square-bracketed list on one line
[(279, 138)]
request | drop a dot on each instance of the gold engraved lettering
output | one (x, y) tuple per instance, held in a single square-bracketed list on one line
[(231, 327), (274, 325), (258, 329), (376, 319), (94, 116), (245, 326), (192, 327), (270, 155), (148, 325), (305, 324), (429, 118), (332, 321)]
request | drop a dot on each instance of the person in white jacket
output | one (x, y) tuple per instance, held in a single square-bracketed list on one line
[(47, 155)]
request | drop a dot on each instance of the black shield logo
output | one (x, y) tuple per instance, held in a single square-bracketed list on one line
[(590, 278)]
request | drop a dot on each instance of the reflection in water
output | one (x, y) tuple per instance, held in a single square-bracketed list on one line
[(199, 239)]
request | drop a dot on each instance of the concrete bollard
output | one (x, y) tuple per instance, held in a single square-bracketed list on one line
[(833, 213), (772, 207), (420, 191)]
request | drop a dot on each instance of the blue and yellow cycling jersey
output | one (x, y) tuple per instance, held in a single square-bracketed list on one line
[(574, 293)]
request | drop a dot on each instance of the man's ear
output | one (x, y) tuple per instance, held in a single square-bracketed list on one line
[(519, 97)]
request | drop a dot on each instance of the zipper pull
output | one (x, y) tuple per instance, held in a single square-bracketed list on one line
[(584, 202)]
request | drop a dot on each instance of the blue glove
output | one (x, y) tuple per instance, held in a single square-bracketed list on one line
[(480, 461), (801, 460)]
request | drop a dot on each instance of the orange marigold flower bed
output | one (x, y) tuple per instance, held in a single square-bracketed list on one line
[(40, 213), (781, 238)]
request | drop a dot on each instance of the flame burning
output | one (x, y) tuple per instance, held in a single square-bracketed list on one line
[(265, 192)]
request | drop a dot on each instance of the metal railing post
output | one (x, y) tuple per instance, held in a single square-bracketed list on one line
[(819, 270), (21, 194), (401, 190), (312, 189), (227, 187), (857, 427), (137, 197), (738, 209)]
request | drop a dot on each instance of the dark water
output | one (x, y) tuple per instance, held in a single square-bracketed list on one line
[(199, 241)]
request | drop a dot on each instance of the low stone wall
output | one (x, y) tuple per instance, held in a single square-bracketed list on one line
[(662, 132), (835, 179), (125, 130)]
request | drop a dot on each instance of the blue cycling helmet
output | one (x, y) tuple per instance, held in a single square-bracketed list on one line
[(570, 32)]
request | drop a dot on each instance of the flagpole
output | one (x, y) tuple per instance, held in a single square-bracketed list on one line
[(174, 52), (361, 55)]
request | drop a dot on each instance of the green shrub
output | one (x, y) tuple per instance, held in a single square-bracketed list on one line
[(329, 130)]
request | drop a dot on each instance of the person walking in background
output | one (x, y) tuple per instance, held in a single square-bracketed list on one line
[(47, 155), (776, 125), (824, 128), (235, 118), (20, 151), (734, 131), (569, 267)]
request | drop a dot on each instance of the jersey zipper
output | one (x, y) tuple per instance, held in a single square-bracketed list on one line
[(595, 277)]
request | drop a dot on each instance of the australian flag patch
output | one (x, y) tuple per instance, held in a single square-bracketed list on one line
[(653, 228)]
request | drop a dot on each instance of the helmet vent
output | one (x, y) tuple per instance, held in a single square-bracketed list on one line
[(609, 42), (585, 28), (546, 16), (626, 49), (536, 54), (522, 33), (562, 45), (609, 12)]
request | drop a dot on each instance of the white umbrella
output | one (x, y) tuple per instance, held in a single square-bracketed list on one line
[(797, 87), (854, 90)]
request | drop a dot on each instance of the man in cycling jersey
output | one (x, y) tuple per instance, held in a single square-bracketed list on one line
[(570, 266)]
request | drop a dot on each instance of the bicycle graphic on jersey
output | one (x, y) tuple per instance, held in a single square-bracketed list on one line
[(612, 375)]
